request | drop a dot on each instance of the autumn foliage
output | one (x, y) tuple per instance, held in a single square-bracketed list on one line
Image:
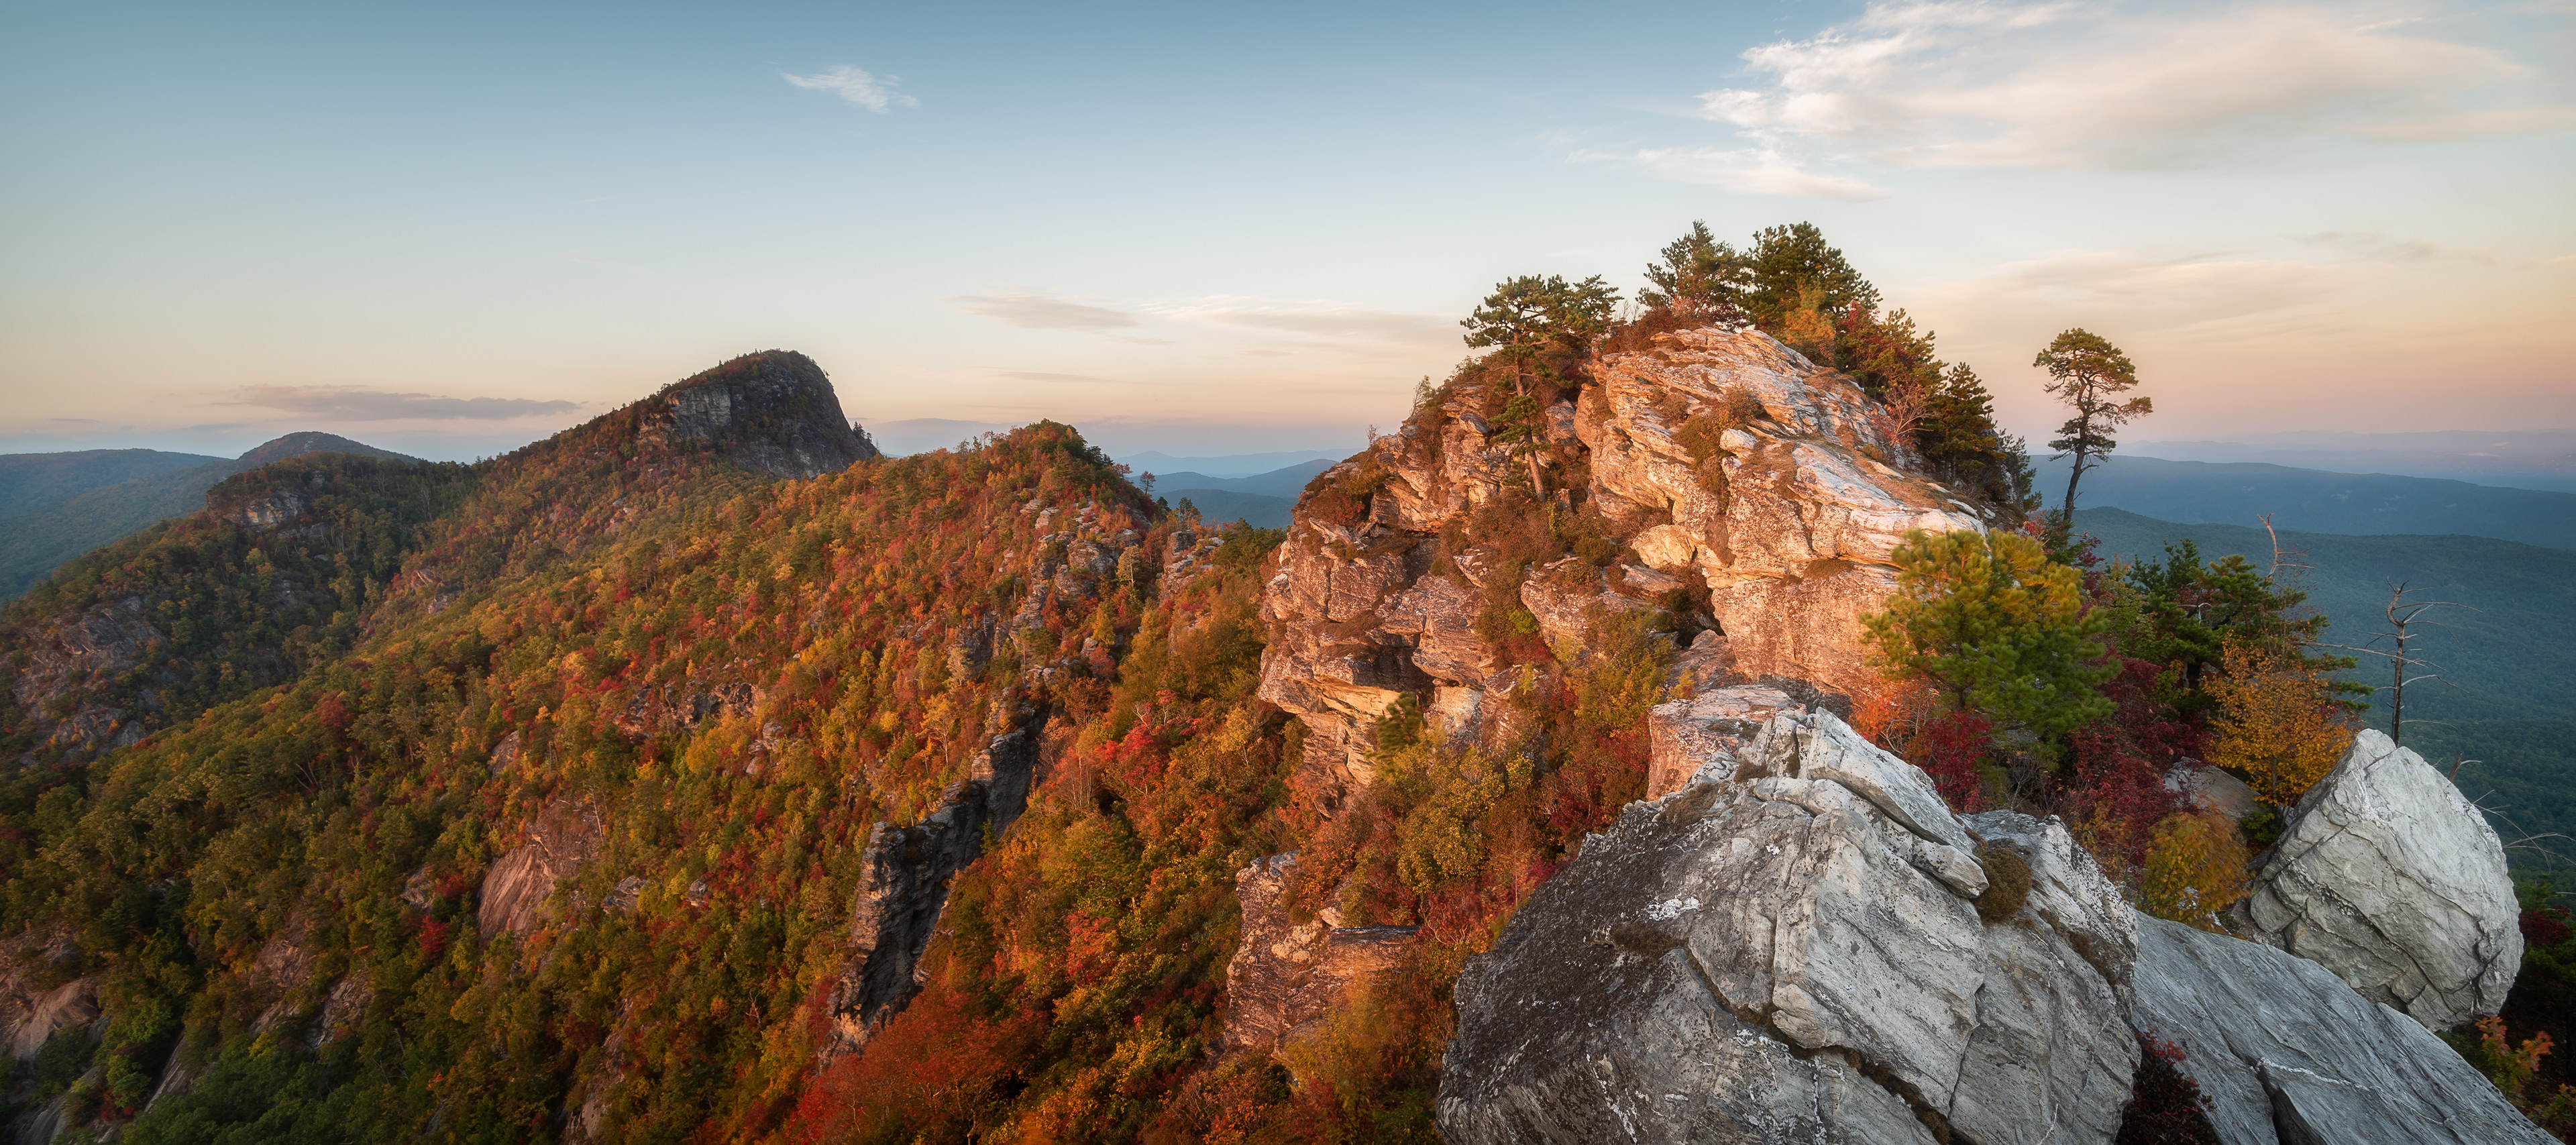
[(2277, 722)]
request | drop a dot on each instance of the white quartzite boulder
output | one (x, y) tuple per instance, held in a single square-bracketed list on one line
[(2388, 877), (1793, 955)]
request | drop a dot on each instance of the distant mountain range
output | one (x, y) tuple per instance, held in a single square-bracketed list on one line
[(2316, 501), (1263, 500), (2506, 656), (2523, 458), (56, 506)]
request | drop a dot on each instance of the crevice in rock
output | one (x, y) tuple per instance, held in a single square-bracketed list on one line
[(1760, 1018)]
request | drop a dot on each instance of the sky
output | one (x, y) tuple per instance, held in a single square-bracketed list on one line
[(1211, 229)]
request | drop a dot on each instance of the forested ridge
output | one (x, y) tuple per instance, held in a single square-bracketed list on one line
[(565, 796)]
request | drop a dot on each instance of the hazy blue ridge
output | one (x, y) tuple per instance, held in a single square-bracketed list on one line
[(2316, 501), (2507, 697), (1226, 505), (33, 544), (1286, 482), (31, 481)]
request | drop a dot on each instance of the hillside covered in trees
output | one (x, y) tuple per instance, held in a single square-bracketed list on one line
[(699, 774)]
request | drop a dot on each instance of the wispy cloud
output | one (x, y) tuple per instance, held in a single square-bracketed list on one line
[(350, 403), (1312, 318), (2380, 246), (873, 92), (1034, 311), (1746, 171), (2132, 291), (1037, 376), (1974, 83)]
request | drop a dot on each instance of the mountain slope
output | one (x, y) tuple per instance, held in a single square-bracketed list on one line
[(30, 481), (2314, 501), (581, 825), (34, 543)]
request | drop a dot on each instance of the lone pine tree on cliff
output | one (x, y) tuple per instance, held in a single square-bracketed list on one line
[(2089, 374), (1538, 328)]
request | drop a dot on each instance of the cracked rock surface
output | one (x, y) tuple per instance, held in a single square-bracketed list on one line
[(2388, 877), (1780, 957), (2285, 1052)]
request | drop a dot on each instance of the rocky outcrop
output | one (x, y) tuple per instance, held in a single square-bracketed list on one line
[(2387, 876), (562, 837), (1783, 524), (903, 887), (38, 997), (1798, 953), (1285, 975), (1707, 729), (75, 656), (2286, 1052), (773, 411)]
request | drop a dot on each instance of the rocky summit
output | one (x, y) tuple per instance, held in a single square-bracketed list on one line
[(1803, 944), (1730, 479)]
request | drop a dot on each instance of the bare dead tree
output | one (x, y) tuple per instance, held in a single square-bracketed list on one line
[(2401, 652), (2294, 561)]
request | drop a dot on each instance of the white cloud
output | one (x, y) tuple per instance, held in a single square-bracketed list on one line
[(2053, 85), (873, 92), (1034, 311), (1747, 171)]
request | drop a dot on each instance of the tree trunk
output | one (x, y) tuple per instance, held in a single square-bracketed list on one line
[(2073, 475)]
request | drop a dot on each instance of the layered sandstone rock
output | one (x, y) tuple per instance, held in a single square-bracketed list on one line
[(1785, 534), (1286, 976), (2388, 877), (557, 843)]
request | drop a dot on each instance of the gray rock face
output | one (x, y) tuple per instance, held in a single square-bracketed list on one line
[(2287, 1053), (905, 888), (773, 411), (1794, 955), (2388, 877)]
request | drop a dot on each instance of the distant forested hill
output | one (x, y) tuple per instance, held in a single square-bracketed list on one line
[(31, 481), (2508, 694), (66, 504), (2316, 501)]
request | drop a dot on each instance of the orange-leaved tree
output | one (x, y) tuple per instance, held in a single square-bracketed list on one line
[(2277, 721)]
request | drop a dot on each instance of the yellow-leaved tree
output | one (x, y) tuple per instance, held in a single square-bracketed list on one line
[(2277, 721), (2195, 869)]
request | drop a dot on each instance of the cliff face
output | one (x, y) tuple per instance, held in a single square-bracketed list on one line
[(773, 411), (1729, 480)]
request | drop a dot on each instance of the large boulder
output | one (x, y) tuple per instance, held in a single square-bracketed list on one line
[(2286, 1053), (2388, 877), (1797, 953)]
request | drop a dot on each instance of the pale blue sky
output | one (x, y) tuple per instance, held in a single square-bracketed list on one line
[(1208, 230)]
